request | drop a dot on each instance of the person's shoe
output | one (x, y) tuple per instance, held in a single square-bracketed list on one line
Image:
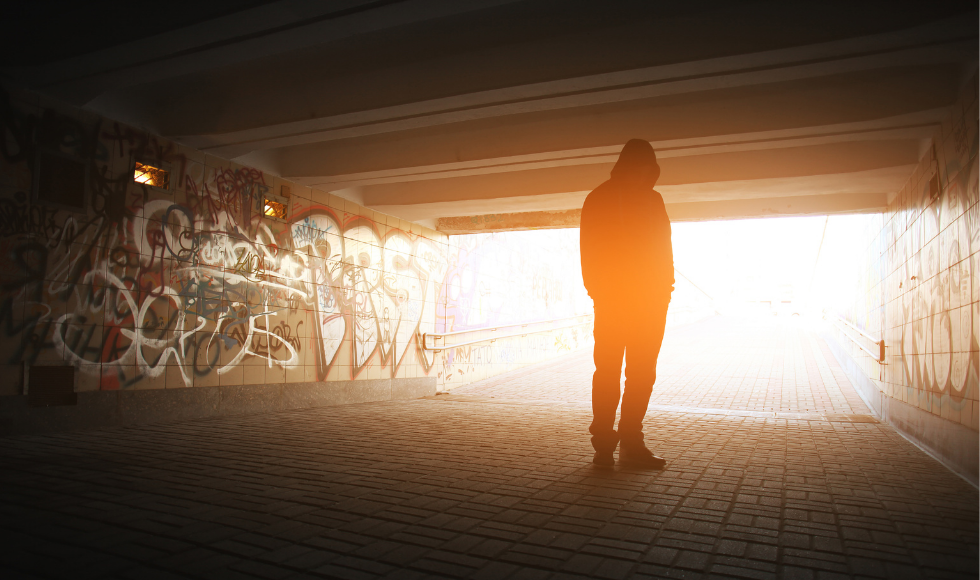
[(640, 458), (603, 459)]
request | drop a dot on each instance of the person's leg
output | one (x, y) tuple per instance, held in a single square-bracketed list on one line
[(608, 357), (642, 350)]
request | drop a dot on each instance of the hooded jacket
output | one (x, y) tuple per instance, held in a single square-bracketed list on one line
[(625, 232)]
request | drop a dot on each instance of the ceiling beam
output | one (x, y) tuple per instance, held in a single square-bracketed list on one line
[(272, 29), (841, 203), (908, 49), (911, 127), (678, 212)]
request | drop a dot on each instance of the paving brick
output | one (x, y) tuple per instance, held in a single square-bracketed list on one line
[(826, 575), (495, 570), (310, 559), (795, 573), (740, 572), (331, 545), (239, 548), (655, 571), (150, 573), (692, 560), (340, 572), (660, 555), (262, 570), (401, 574), (795, 540), (490, 548), (731, 547), (613, 569), (404, 555), (762, 552), (464, 485)]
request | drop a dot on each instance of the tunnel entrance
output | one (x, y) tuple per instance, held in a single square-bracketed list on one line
[(302, 281), (751, 300), (861, 318)]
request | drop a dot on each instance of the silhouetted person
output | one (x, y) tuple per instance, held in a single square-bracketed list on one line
[(628, 269)]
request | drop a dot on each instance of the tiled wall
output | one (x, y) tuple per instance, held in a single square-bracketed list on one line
[(193, 285), (513, 277), (919, 288), (145, 288)]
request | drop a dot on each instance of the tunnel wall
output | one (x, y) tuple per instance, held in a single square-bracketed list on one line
[(495, 280), (919, 290), (513, 277), (188, 301)]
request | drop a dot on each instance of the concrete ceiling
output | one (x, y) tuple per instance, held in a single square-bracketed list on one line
[(496, 114)]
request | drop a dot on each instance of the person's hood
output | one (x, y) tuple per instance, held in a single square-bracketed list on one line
[(637, 162)]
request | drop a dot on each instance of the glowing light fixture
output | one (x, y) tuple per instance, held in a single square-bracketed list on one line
[(275, 209), (152, 176)]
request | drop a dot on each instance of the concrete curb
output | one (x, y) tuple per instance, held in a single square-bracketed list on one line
[(101, 409), (955, 446)]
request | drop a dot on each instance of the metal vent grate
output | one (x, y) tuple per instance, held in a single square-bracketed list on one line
[(50, 386)]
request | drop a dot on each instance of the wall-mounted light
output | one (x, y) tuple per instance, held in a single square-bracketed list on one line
[(275, 209), (152, 176)]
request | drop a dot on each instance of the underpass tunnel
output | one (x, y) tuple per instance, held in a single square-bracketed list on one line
[(301, 285)]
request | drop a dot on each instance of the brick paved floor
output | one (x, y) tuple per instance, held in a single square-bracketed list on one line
[(463, 485), (720, 363)]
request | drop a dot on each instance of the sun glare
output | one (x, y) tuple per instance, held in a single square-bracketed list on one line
[(773, 264)]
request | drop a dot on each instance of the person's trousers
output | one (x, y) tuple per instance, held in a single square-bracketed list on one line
[(636, 330)]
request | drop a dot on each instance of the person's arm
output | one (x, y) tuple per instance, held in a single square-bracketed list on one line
[(594, 246), (586, 244)]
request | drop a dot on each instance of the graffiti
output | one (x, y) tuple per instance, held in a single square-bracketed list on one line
[(152, 288), (387, 285), (937, 347), (308, 232), (249, 264), (561, 343), (16, 218), (185, 286), (492, 280), (919, 286)]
